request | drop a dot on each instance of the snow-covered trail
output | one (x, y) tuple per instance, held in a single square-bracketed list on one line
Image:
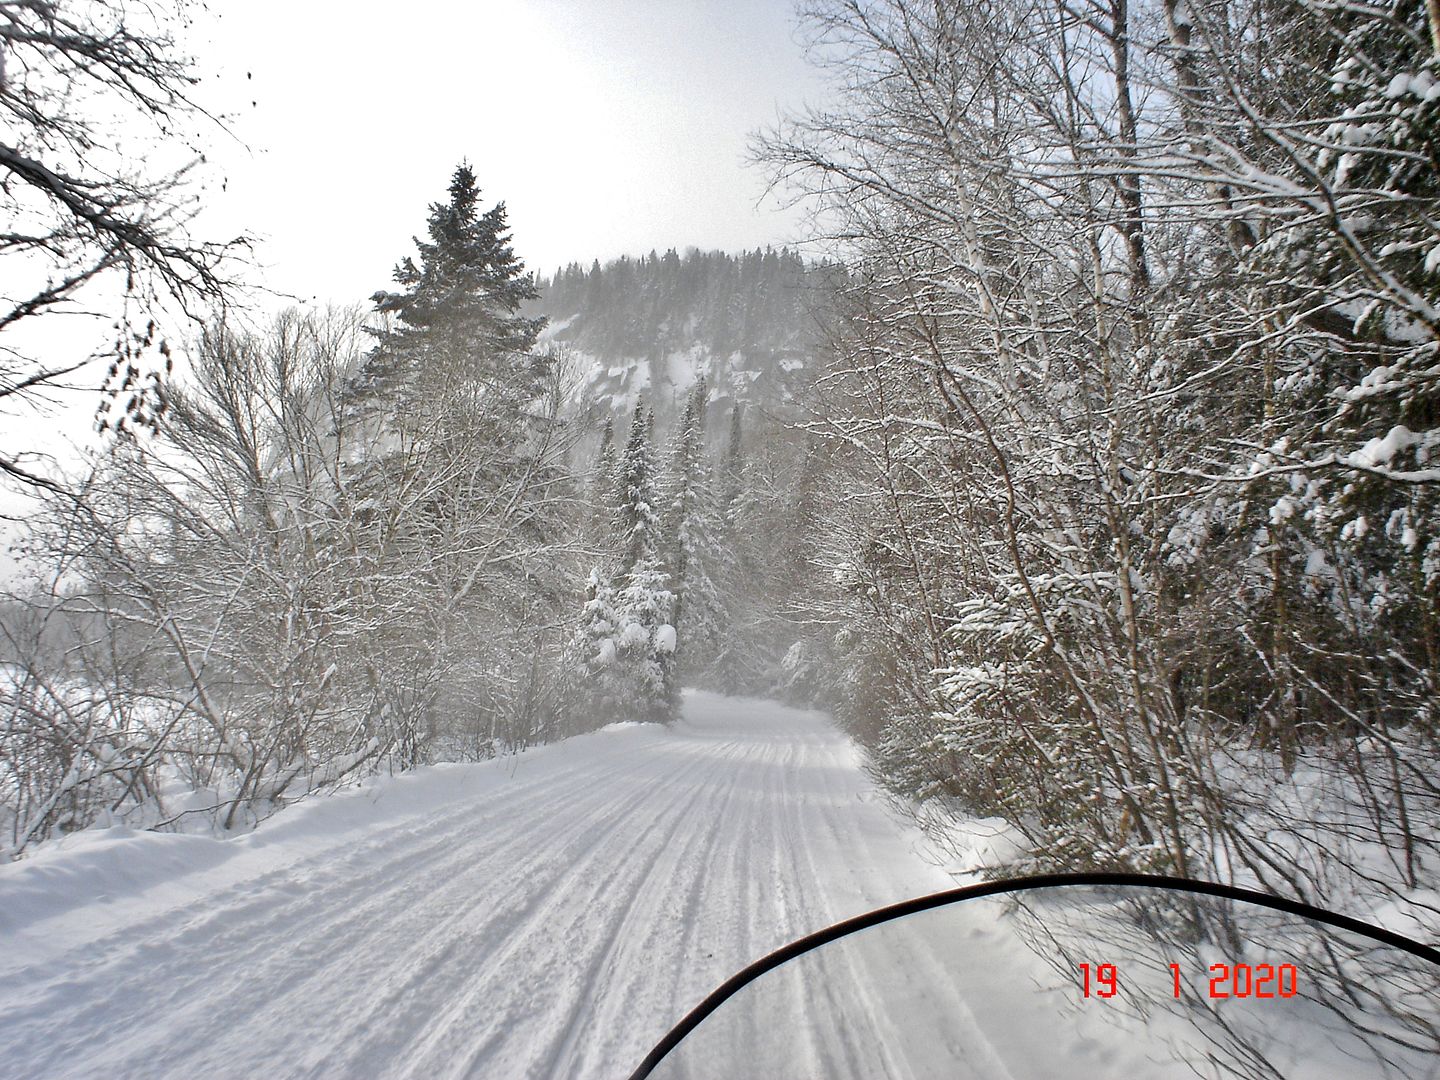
[(544, 916)]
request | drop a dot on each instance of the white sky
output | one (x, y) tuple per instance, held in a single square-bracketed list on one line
[(606, 126)]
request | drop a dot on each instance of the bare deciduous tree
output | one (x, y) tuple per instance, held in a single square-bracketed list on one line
[(100, 157), (1137, 404)]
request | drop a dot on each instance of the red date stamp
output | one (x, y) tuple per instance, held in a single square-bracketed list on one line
[(1225, 980)]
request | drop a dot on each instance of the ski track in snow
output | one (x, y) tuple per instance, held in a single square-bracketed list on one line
[(546, 916)]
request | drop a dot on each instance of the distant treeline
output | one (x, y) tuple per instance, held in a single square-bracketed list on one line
[(761, 303)]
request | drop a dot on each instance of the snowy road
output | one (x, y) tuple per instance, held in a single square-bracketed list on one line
[(544, 916)]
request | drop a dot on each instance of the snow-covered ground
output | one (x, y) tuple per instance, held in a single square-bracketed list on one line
[(553, 915), (550, 914)]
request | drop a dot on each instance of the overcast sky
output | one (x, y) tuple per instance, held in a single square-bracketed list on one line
[(606, 126)]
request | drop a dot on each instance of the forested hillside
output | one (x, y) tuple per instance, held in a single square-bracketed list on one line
[(748, 324)]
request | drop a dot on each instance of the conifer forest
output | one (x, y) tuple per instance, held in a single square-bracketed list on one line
[(1081, 460)]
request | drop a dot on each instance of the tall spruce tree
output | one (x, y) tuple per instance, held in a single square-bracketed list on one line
[(456, 318), (686, 457), (694, 552), (799, 623), (451, 457), (732, 466), (733, 664), (637, 518), (602, 485), (627, 636)]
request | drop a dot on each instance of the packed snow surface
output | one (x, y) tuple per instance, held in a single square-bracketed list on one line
[(547, 915), (553, 914)]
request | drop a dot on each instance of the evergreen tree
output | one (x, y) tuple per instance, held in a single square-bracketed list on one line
[(627, 633), (736, 664), (599, 647), (795, 566), (602, 485), (732, 466), (450, 458), (800, 627), (686, 459), (693, 548), (637, 522), (646, 641), (456, 317)]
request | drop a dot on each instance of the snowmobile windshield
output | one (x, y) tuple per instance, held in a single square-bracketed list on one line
[(1070, 976)]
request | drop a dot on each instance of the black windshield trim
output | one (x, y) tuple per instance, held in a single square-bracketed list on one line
[(730, 986)]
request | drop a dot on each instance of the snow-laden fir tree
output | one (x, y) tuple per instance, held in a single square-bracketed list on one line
[(803, 629), (646, 641), (735, 665), (602, 484), (597, 643), (637, 518), (732, 466), (628, 638), (601, 496), (694, 551)]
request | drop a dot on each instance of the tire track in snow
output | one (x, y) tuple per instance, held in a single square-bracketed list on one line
[(647, 925), (853, 971), (552, 925), (548, 888), (237, 911), (638, 908), (448, 922), (226, 932)]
